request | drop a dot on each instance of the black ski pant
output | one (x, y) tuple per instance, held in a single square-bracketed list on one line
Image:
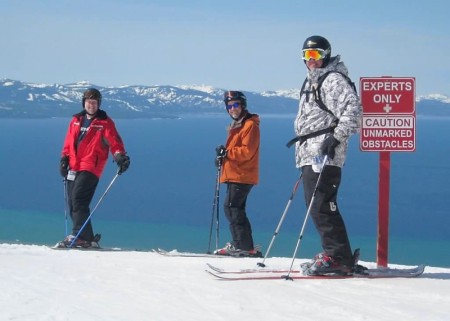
[(80, 193), (325, 212), (234, 208)]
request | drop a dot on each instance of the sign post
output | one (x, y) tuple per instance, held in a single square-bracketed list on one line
[(388, 125)]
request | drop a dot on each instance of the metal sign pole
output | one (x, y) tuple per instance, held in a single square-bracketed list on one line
[(383, 209)]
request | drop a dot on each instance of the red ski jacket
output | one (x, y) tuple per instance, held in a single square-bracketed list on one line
[(91, 153)]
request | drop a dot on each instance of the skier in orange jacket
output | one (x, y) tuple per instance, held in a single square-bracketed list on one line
[(240, 171)]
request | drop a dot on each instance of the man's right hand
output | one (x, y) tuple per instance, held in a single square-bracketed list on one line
[(221, 153), (63, 166)]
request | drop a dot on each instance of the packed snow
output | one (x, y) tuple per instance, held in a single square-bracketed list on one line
[(39, 283)]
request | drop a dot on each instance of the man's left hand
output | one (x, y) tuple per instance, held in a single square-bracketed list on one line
[(328, 146), (123, 161)]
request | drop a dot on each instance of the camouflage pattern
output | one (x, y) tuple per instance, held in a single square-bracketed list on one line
[(340, 98)]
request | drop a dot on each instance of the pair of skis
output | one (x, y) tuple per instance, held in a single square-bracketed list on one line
[(279, 274), (91, 249), (237, 254)]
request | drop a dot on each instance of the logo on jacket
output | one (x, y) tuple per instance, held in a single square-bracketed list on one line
[(98, 127), (333, 206)]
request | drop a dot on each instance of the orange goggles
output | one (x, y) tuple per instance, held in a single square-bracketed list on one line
[(315, 54)]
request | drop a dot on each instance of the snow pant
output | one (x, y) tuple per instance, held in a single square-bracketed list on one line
[(325, 212), (234, 208), (80, 193)]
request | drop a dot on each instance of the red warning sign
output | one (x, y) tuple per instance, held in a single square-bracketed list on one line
[(389, 119), (388, 95)]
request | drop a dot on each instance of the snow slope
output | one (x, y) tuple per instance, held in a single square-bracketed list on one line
[(38, 283)]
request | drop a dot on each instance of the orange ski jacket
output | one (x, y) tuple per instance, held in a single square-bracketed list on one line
[(241, 165)]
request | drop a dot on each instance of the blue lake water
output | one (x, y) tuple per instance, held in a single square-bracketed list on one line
[(165, 199)]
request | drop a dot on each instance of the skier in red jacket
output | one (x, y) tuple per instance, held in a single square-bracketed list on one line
[(90, 137)]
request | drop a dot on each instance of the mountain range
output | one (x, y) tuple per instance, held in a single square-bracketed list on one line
[(30, 100)]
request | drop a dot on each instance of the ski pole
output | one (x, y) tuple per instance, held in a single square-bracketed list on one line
[(92, 212), (65, 203), (297, 183), (215, 211), (287, 277)]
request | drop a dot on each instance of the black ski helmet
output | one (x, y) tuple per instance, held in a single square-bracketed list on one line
[(92, 93), (318, 42), (235, 95)]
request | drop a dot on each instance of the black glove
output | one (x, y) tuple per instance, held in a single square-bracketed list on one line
[(63, 166), (221, 153), (328, 146), (123, 161)]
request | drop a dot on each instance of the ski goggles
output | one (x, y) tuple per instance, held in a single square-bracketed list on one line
[(315, 54), (234, 105)]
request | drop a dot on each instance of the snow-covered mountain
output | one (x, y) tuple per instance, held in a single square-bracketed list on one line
[(21, 99), (29, 100)]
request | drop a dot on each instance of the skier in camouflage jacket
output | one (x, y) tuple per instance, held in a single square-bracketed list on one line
[(326, 131)]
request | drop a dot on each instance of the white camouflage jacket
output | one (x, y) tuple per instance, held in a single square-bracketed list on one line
[(340, 98)]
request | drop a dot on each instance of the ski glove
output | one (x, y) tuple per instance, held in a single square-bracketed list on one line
[(221, 153), (328, 146), (123, 161), (63, 166)]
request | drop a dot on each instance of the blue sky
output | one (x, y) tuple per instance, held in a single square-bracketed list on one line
[(234, 44)]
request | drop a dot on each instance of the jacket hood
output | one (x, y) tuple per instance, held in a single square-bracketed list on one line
[(240, 121), (335, 64)]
